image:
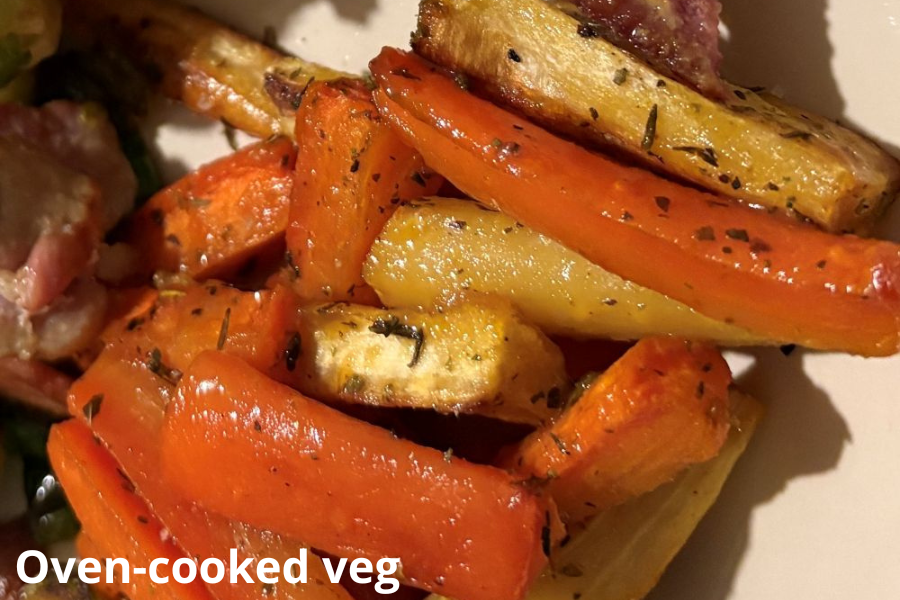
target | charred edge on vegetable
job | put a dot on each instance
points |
(293, 269)
(589, 30)
(286, 94)
(797, 135)
(394, 326)
(545, 535)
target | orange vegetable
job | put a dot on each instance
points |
(211, 222)
(86, 547)
(123, 402)
(240, 444)
(770, 275)
(660, 408)
(260, 327)
(106, 504)
(352, 171)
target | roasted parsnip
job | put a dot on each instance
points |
(472, 358)
(212, 69)
(557, 70)
(432, 249)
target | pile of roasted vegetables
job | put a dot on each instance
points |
(464, 311)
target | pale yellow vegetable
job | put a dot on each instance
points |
(433, 249)
(755, 147)
(470, 358)
(623, 552)
(211, 68)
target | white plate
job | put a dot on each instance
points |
(813, 509)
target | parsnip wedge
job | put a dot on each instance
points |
(471, 358)
(212, 69)
(436, 248)
(556, 69)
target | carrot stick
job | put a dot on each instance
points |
(124, 402)
(211, 222)
(352, 171)
(660, 408)
(772, 276)
(106, 504)
(86, 547)
(260, 327)
(240, 444)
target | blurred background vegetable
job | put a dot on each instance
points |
(29, 33)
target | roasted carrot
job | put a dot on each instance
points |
(86, 547)
(240, 444)
(106, 504)
(773, 276)
(660, 408)
(260, 327)
(352, 171)
(122, 398)
(127, 307)
(211, 222)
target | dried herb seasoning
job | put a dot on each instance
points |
(223, 329)
(708, 155)
(650, 129)
(394, 326)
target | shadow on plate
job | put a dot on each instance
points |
(785, 46)
(802, 434)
